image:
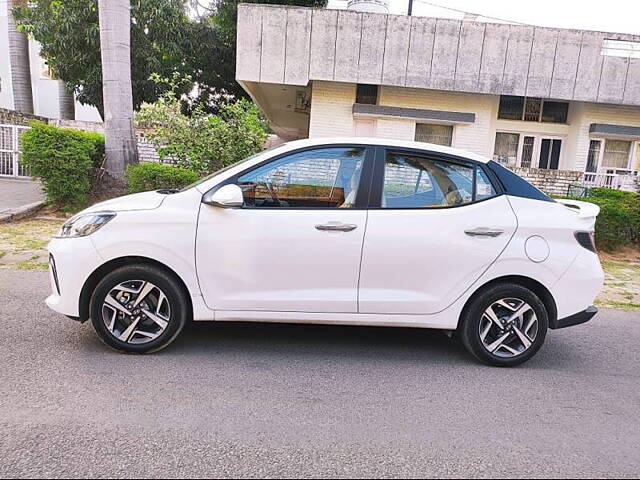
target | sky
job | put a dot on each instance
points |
(621, 16)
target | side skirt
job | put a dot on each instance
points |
(438, 321)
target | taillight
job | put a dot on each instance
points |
(586, 240)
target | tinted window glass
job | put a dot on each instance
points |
(367, 94)
(321, 178)
(555, 112)
(417, 182)
(511, 107)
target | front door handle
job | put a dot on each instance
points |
(336, 227)
(484, 232)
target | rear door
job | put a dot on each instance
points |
(436, 223)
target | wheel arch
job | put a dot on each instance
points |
(92, 281)
(535, 286)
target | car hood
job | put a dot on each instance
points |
(137, 201)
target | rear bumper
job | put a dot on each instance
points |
(575, 319)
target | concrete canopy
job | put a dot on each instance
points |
(294, 45)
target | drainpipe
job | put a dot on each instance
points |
(410, 7)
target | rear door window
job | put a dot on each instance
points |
(413, 181)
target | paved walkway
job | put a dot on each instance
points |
(18, 193)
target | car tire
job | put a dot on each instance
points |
(161, 313)
(493, 339)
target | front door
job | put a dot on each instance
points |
(433, 234)
(550, 153)
(295, 245)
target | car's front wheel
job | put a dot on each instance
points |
(504, 325)
(138, 309)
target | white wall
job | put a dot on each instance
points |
(475, 137)
(332, 103)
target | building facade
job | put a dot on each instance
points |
(43, 85)
(531, 97)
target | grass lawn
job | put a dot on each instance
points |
(622, 280)
(23, 246)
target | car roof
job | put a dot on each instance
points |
(390, 142)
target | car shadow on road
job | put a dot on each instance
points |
(290, 342)
(294, 340)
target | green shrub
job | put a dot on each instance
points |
(142, 177)
(618, 223)
(203, 142)
(63, 159)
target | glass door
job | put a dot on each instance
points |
(550, 153)
(527, 152)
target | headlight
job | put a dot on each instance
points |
(84, 224)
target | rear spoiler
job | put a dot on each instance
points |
(585, 210)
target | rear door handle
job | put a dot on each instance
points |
(484, 232)
(336, 227)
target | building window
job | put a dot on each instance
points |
(532, 109)
(616, 153)
(511, 108)
(593, 156)
(438, 134)
(555, 112)
(621, 48)
(506, 148)
(367, 94)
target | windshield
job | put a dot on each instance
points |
(222, 170)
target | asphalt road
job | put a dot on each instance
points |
(229, 400)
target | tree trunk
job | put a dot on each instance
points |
(19, 60)
(66, 101)
(115, 45)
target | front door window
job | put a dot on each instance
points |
(321, 178)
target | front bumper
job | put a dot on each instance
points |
(575, 319)
(72, 261)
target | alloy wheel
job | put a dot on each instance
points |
(508, 327)
(136, 312)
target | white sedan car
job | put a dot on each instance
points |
(349, 231)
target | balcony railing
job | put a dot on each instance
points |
(620, 181)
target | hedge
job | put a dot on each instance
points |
(147, 176)
(618, 224)
(63, 159)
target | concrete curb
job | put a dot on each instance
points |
(20, 212)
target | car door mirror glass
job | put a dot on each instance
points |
(228, 196)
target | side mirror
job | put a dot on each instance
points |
(229, 196)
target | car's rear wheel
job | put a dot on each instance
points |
(504, 325)
(138, 309)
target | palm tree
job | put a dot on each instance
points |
(19, 60)
(115, 44)
(66, 102)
